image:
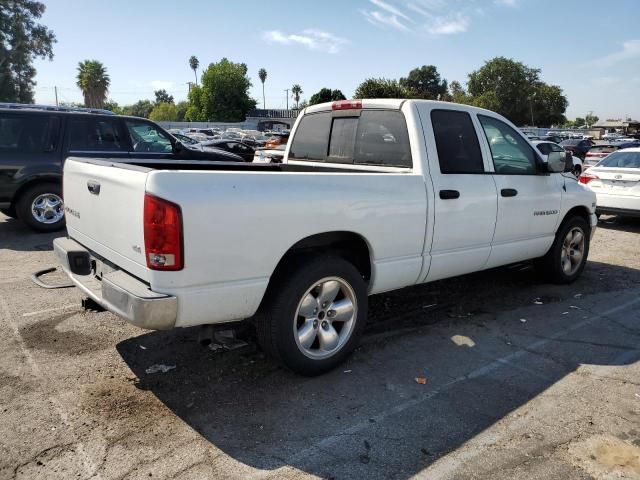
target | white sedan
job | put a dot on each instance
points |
(545, 148)
(616, 183)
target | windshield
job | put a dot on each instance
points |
(622, 159)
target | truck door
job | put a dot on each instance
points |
(528, 200)
(465, 197)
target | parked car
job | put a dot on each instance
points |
(632, 144)
(611, 136)
(552, 138)
(35, 140)
(623, 140)
(184, 139)
(343, 217)
(616, 182)
(277, 139)
(597, 153)
(269, 155)
(242, 149)
(578, 148)
(573, 164)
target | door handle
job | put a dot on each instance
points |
(449, 194)
(508, 192)
(93, 187)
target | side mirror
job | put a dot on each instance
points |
(556, 162)
(178, 147)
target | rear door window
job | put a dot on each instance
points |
(28, 133)
(312, 137)
(95, 134)
(457, 142)
(342, 141)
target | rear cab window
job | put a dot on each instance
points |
(370, 137)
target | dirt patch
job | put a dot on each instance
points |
(45, 335)
(607, 457)
(59, 462)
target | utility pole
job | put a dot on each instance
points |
(55, 89)
(287, 92)
(190, 84)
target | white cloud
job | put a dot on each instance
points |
(390, 8)
(630, 50)
(311, 38)
(161, 85)
(380, 19)
(506, 3)
(449, 26)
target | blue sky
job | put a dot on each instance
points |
(589, 49)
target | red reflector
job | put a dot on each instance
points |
(346, 105)
(587, 177)
(162, 234)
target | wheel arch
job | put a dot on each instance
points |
(577, 211)
(348, 245)
(33, 181)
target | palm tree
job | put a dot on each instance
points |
(296, 91)
(262, 73)
(94, 82)
(194, 64)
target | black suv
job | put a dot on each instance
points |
(35, 140)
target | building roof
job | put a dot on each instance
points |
(614, 123)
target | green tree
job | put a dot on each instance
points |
(22, 40)
(579, 122)
(262, 73)
(296, 91)
(457, 94)
(591, 119)
(515, 91)
(326, 95)
(164, 112)
(194, 63)
(113, 106)
(181, 110)
(142, 108)
(425, 82)
(223, 95)
(162, 96)
(380, 88)
(94, 82)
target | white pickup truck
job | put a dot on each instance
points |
(372, 196)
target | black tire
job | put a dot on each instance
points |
(551, 265)
(275, 322)
(26, 200)
(9, 212)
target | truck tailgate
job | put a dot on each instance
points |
(104, 206)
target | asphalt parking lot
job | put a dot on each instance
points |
(523, 380)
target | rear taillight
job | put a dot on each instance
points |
(346, 105)
(587, 177)
(162, 234)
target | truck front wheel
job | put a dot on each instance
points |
(567, 257)
(314, 315)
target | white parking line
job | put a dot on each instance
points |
(445, 465)
(47, 310)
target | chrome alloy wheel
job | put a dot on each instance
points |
(325, 318)
(47, 208)
(572, 251)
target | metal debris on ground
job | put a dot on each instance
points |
(537, 301)
(523, 320)
(159, 367)
(421, 380)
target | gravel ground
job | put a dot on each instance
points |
(523, 380)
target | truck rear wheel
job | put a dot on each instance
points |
(314, 315)
(41, 208)
(567, 257)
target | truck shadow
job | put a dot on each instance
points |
(16, 236)
(369, 418)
